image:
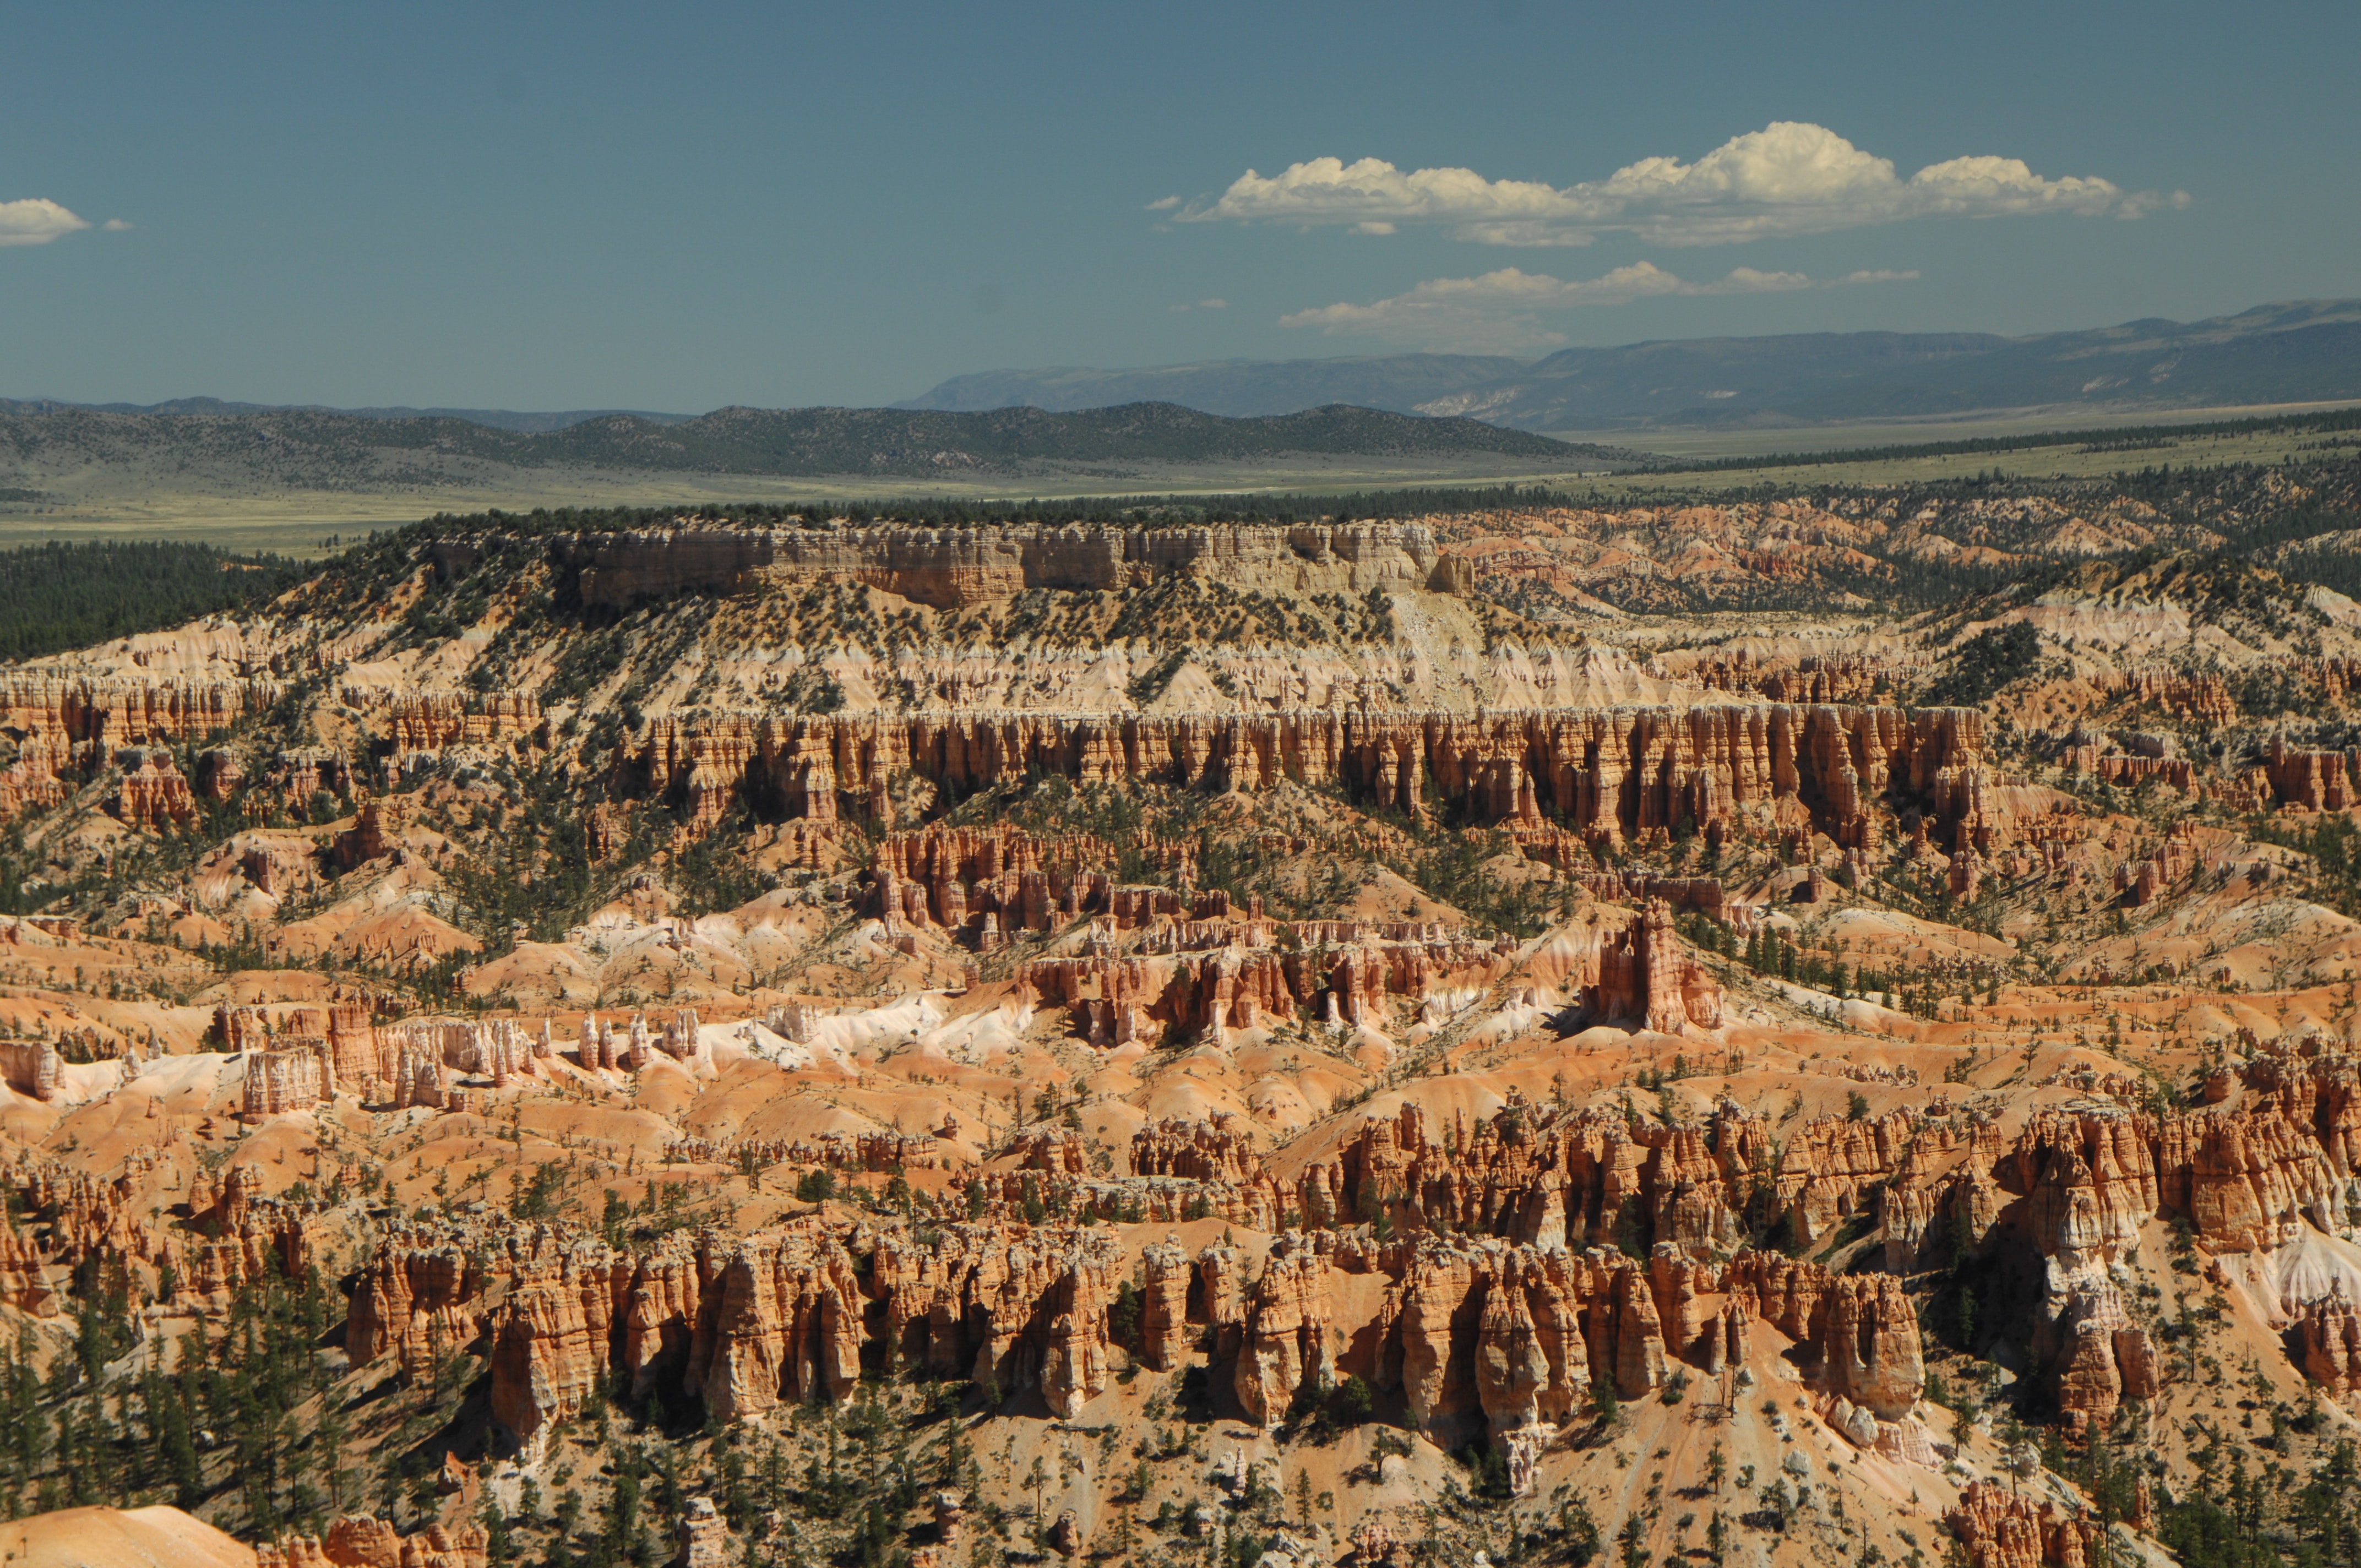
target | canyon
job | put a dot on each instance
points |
(1363, 1040)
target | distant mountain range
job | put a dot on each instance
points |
(2309, 351)
(1241, 387)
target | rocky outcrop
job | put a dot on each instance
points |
(954, 876)
(237, 1240)
(1017, 1308)
(2328, 1341)
(376, 826)
(703, 1536)
(1832, 1167)
(1550, 1178)
(1220, 1149)
(31, 783)
(2248, 1180)
(876, 1150)
(553, 1340)
(420, 1296)
(1116, 1000)
(1644, 977)
(154, 794)
(1286, 1346)
(1871, 1352)
(96, 716)
(238, 1029)
(31, 1067)
(1166, 1270)
(360, 1540)
(354, 1057)
(2089, 1181)
(429, 721)
(743, 1323)
(2313, 781)
(1998, 1528)
(24, 1282)
(1808, 677)
(785, 1318)
(2098, 1357)
(2168, 864)
(418, 1079)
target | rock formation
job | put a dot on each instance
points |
(1872, 1354)
(154, 794)
(2328, 1336)
(31, 1067)
(297, 1077)
(2001, 1529)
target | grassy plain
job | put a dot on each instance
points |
(130, 505)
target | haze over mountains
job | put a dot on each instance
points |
(2301, 352)
(2307, 351)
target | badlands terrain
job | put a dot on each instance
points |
(1775, 1029)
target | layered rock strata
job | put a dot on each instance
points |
(1612, 774)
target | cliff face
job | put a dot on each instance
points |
(1613, 774)
(296, 1077)
(951, 568)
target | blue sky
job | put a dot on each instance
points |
(682, 207)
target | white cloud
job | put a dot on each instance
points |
(118, 225)
(1497, 310)
(2141, 203)
(1162, 204)
(35, 222)
(1790, 178)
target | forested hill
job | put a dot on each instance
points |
(316, 449)
(58, 596)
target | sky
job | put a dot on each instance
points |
(678, 208)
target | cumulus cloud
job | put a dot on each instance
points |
(35, 222)
(1162, 204)
(1790, 178)
(1498, 310)
(116, 225)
